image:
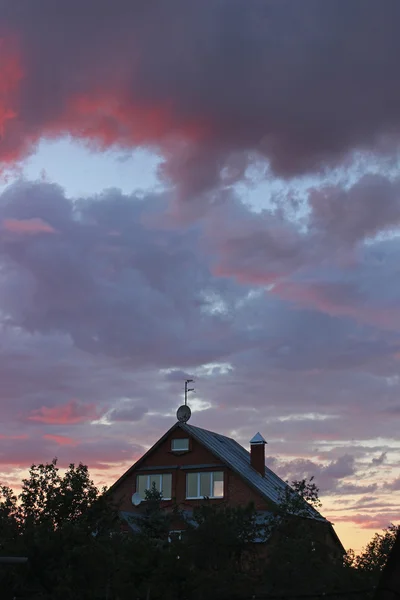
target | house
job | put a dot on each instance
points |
(188, 464)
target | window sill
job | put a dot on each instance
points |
(162, 500)
(204, 498)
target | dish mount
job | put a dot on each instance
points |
(184, 413)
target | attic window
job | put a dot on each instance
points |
(180, 445)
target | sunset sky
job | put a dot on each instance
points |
(206, 189)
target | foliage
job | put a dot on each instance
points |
(72, 536)
(155, 522)
(297, 498)
(373, 557)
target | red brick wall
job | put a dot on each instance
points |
(236, 491)
(239, 492)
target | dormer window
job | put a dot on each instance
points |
(180, 445)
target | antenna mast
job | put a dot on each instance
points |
(187, 390)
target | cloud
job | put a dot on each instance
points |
(356, 489)
(239, 81)
(112, 294)
(127, 413)
(11, 75)
(394, 485)
(379, 460)
(366, 521)
(326, 476)
(69, 414)
(368, 207)
(27, 226)
(122, 304)
(111, 453)
(62, 440)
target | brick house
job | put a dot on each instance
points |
(189, 463)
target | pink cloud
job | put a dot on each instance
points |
(26, 226)
(338, 299)
(10, 76)
(68, 414)
(61, 440)
(366, 521)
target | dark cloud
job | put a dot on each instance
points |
(393, 486)
(379, 460)
(113, 284)
(301, 84)
(370, 206)
(352, 489)
(127, 413)
(327, 477)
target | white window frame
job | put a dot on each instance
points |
(179, 449)
(161, 475)
(198, 497)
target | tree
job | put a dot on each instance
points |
(299, 560)
(374, 556)
(156, 558)
(298, 498)
(223, 533)
(155, 522)
(62, 523)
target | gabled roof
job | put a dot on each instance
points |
(234, 456)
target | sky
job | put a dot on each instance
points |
(205, 189)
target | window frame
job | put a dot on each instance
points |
(180, 449)
(199, 473)
(149, 476)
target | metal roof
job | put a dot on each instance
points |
(237, 458)
(257, 439)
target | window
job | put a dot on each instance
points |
(175, 534)
(179, 445)
(206, 484)
(163, 484)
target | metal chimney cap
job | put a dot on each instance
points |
(258, 439)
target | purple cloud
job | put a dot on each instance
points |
(291, 83)
(104, 317)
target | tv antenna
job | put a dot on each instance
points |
(187, 389)
(184, 413)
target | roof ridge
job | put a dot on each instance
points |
(213, 433)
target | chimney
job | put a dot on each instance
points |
(257, 453)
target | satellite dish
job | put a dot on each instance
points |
(136, 499)
(183, 413)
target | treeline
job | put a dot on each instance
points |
(72, 536)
